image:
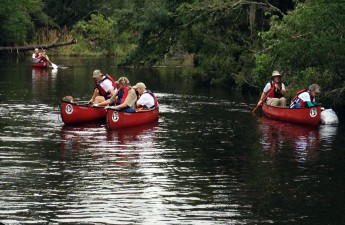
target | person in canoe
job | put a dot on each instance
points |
(105, 87)
(36, 56)
(274, 91)
(147, 100)
(125, 97)
(44, 56)
(306, 97)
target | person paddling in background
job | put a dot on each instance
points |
(306, 97)
(274, 91)
(44, 56)
(36, 56)
(147, 100)
(105, 87)
(125, 97)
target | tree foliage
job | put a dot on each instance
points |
(17, 18)
(98, 31)
(308, 44)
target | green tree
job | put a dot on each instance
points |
(17, 18)
(309, 45)
(98, 33)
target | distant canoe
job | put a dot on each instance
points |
(308, 116)
(42, 64)
(73, 113)
(118, 120)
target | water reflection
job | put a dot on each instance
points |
(76, 138)
(305, 140)
(277, 134)
(43, 83)
(328, 133)
(39, 73)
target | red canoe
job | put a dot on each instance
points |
(308, 116)
(72, 113)
(117, 120)
(42, 64)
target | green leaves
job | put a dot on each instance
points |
(98, 32)
(16, 20)
(309, 43)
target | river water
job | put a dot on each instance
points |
(207, 160)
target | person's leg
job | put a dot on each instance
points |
(127, 109)
(273, 102)
(282, 102)
(99, 99)
(296, 105)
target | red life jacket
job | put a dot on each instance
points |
(103, 92)
(296, 99)
(43, 59)
(37, 55)
(273, 92)
(121, 95)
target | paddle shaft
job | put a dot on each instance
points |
(263, 100)
(53, 65)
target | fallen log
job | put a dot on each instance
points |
(32, 47)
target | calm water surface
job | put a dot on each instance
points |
(207, 160)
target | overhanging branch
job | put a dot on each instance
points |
(32, 47)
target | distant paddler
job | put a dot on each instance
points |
(273, 92)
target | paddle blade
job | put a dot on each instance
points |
(54, 66)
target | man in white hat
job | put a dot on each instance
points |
(146, 98)
(274, 91)
(105, 87)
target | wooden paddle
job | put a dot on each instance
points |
(53, 65)
(263, 100)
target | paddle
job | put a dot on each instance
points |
(53, 65)
(263, 100)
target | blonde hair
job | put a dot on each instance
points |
(68, 99)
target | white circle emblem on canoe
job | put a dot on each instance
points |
(313, 112)
(69, 109)
(115, 117)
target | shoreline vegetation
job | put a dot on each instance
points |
(218, 43)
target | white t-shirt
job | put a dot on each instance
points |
(268, 87)
(146, 100)
(304, 96)
(106, 85)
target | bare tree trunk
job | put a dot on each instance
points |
(32, 47)
(252, 18)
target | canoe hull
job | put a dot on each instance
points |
(72, 113)
(307, 116)
(118, 120)
(43, 64)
